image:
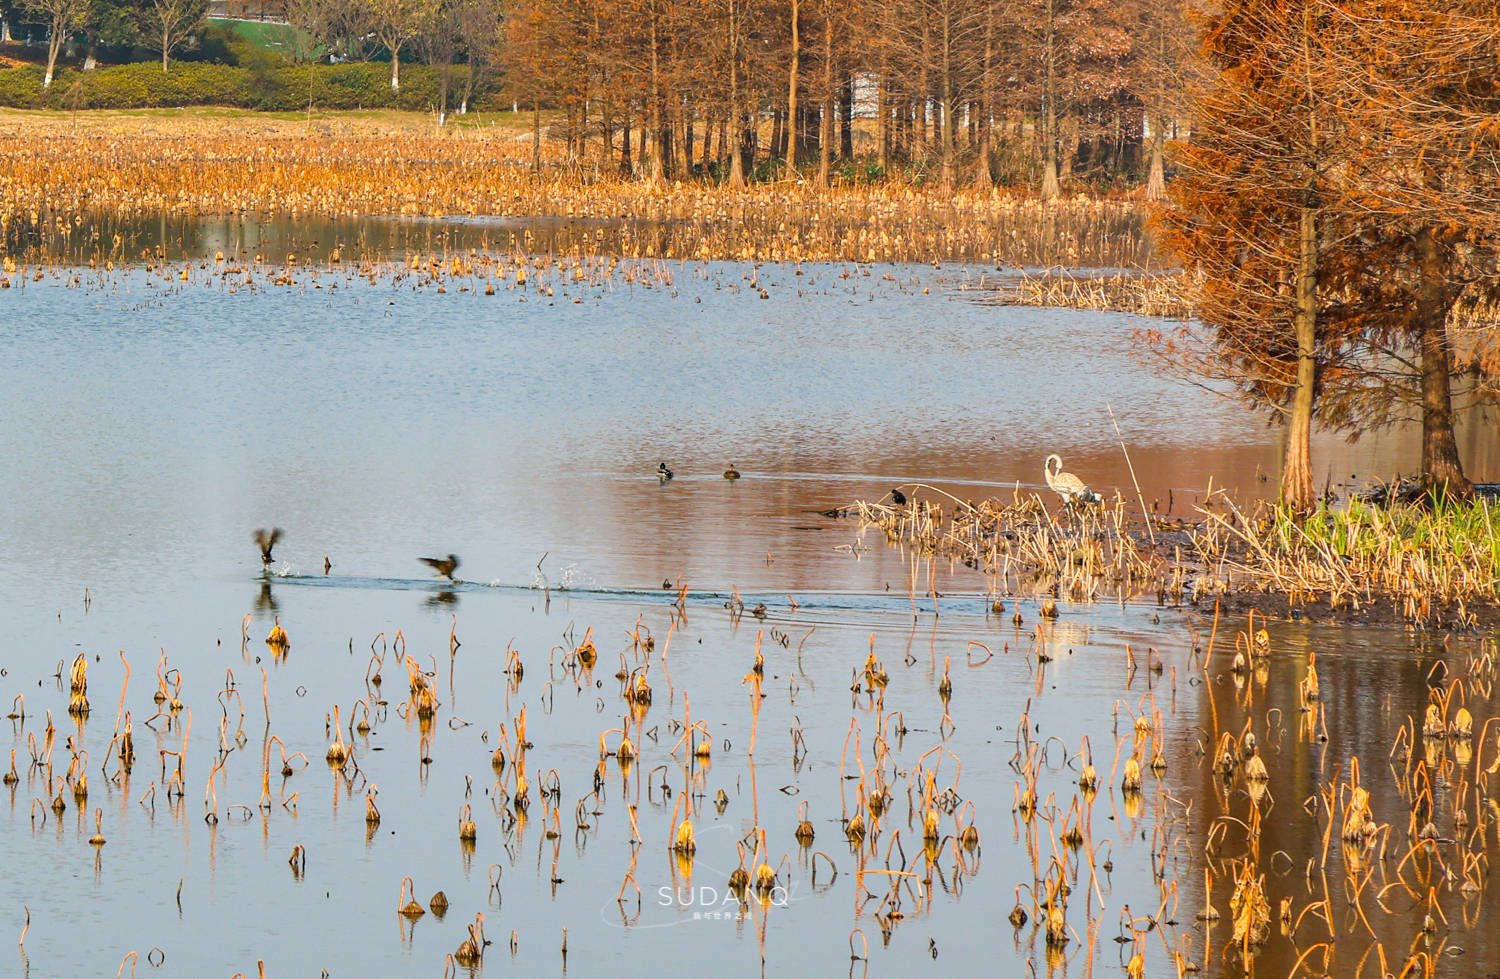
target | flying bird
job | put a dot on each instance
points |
(663, 473)
(265, 540)
(1065, 484)
(444, 566)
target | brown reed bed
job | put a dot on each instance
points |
(1402, 562)
(57, 178)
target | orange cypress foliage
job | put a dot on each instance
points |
(1421, 196)
(1253, 211)
(1337, 207)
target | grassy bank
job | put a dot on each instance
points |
(268, 36)
(1413, 562)
(1422, 559)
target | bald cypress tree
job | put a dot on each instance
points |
(1252, 213)
(1338, 202)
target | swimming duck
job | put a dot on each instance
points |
(731, 472)
(663, 473)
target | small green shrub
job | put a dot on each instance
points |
(22, 87)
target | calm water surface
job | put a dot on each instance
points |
(151, 422)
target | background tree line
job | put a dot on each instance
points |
(1037, 92)
(954, 91)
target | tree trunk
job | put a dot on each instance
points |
(947, 136)
(791, 92)
(884, 102)
(846, 119)
(581, 134)
(606, 131)
(166, 46)
(825, 122)
(652, 157)
(536, 138)
(666, 150)
(737, 146)
(1442, 469)
(825, 141)
(396, 67)
(1068, 141)
(54, 45)
(987, 104)
(1051, 190)
(1156, 180)
(949, 151)
(1296, 474)
(737, 155)
(627, 167)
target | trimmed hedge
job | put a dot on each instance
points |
(277, 88)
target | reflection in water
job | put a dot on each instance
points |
(1107, 237)
(1373, 684)
(440, 600)
(265, 601)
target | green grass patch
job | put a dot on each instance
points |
(279, 38)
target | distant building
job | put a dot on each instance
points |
(267, 10)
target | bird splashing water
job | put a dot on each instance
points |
(266, 540)
(444, 566)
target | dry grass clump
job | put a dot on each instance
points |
(1164, 294)
(1083, 553)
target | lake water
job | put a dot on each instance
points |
(151, 421)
